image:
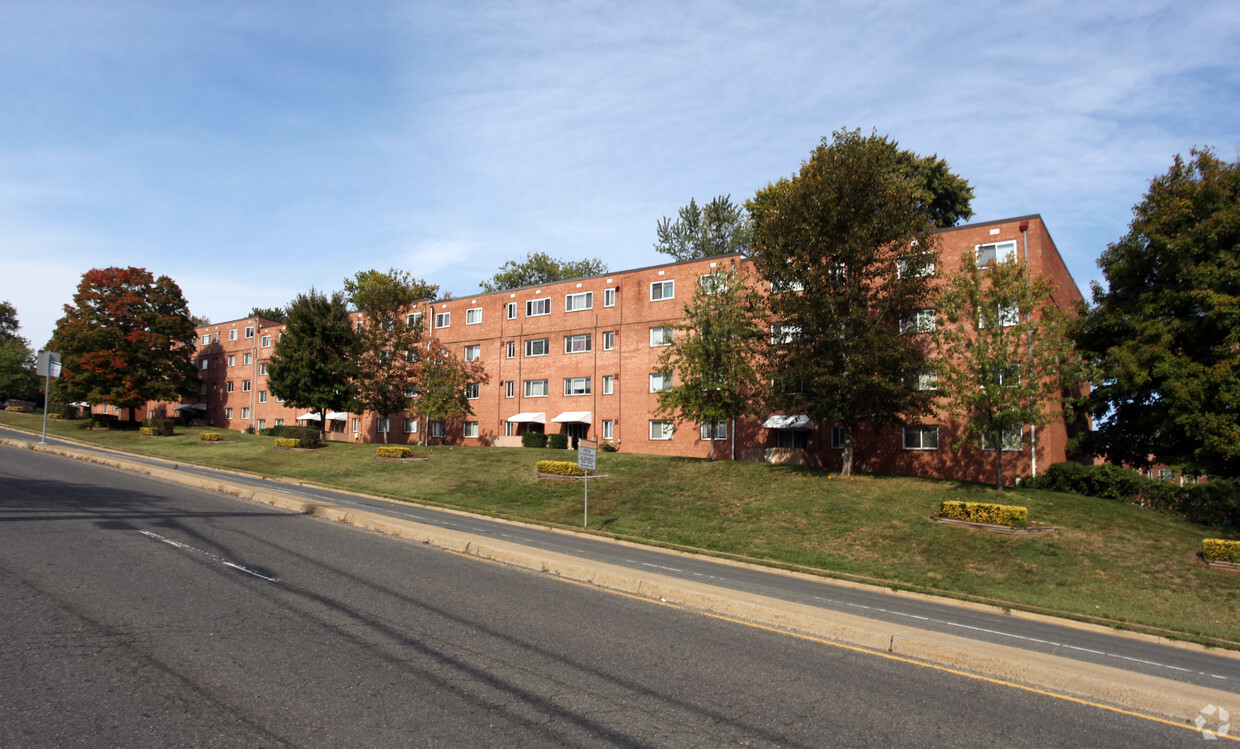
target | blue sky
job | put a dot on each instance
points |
(252, 150)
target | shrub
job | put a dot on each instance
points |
(209, 436)
(1221, 550)
(103, 421)
(608, 447)
(162, 427)
(249, 429)
(981, 512)
(62, 411)
(288, 442)
(557, 441)
(394, 451)
(149, 432)
(560, 468)
(1214, 503)
(307, 436)
(534, 439)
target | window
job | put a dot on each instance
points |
(838, 436)
(784, 333)
(473, 316)
(661, 336)
(249, 331)
(471, 429)
(535, 388)
(609, 340)
(356, 425)
(262, 424)
(536, 307)
(438, 429)
(202, 388)
(247, 359)
(915, 265)
(279, 422)
(510, 389)
(996, 251)
(660, 429)
(715, 430)
(227, 413)
(609, 297)
(1012, 438)
(662, 290)
(411, 426)
(660, 381)
(205, 363)
(473, 353)
(926, 380)
(1000, 375)
(381, 426)
(206, 339)
(245, 412)
(358, 326)
(413, 319)
(922, 321)
(577, 302)
(576, 385)
(228, 387)
(538, 347)
(245, 386)
(921, 438)
(609, 384)
(262, 368)
(1006, 315)
(262, 396)
(792, 439)
(609, 429)
(265, 341)
(510, 349)
(232, 360)
(471, 391)
(577, 344)
(511, 310)
(279, 399)
(443, 319)
(232, 334)
(712, 284)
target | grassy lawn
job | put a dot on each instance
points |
(1113, 563)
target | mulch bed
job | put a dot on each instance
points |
(1031, 529)
(411, 459)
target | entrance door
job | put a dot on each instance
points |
(576, 432)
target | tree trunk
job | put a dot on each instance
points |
(388, 424)
(846, 469)
(710, 455)
(323, 424)
(999, 462)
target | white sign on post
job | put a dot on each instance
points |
(586, 452)
(47, 365)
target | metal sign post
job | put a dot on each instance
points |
(48, 365)
(586, 452)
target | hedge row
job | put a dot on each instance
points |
(560, 468)
(288, 442)
(209, 436)
(306, 436)
(1216, 503)
(149, 432)
(162, 427)
(534, 439)
(1221, 550)
(981, 512)
(393, 451)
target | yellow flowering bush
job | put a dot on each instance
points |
(394, 451)
(148, 431)
(1221, 550)
(560, 468)
(209, 436)
(288, 442)
(982, 512)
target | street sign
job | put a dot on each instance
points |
(587, 450)
(48, 364)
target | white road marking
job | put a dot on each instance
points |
(208, 554)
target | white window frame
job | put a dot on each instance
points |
(439, 429)
(205, 340)
(510, 389)
(473, 316)
(665, 427)
(232, 334)
(245, 386)
(666, 290)
(995, 252)
(925, 434)
(265, 341)
(1013, 439)
(262, 424)
(410, 425)
(245, 412)
(838, 434)
(609, 384)
(609, 340)
(660, 381)
(356, 423)
(228, 386)
(903, 262)
(232, 360)
(262, 368)
(660, 335)
(247, 359)
(471, 430)
(532, 386)
(472, 391)
(278, 423)
(228, 413)
(922, 321)
(574, 386)
(582, 300)
(205, 363)
(510, 350)
(473, 352)
(609, 297)
(578, 343)
(262, 396)
(784, 332)
(609, 429)
(714, 430)
(443, 320)
(412, 319)
(546, 346)
(538, 307)
(926, 380)
(510, 310)
(249, 331)
(1007, 315)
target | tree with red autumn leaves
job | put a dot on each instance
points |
(126, 339)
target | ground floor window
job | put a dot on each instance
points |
(660, 429)
(411, 426)
(262, 424)
(838, 436)
(279, 422)
(381, 426)
(795, 439)
(921, 438)
(608, 428)
(438, 429)
(717, 430)
(471, 429)
(1012, 438)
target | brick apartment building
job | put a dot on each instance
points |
(580, 357)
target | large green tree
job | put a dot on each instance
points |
(126, 339)
(844, 244)
(540, 268)
(718, 228)
(442, 384)
(1004, 354)
(387, 364)
(314, 363)
(1164, 335)
(715, 353)
(17, 363)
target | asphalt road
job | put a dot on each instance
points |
(139, 613)
(1203, 668)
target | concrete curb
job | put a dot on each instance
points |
(1086, 682)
